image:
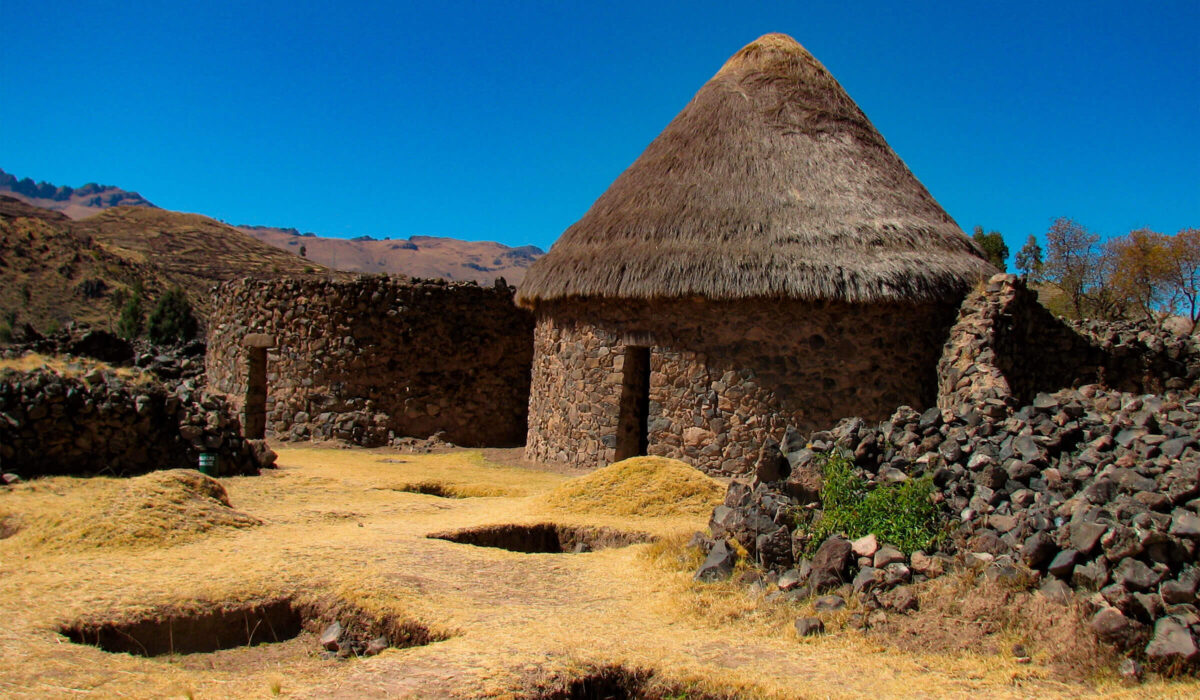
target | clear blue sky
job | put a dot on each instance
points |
(504, 121)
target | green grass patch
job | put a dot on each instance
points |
(902, 515)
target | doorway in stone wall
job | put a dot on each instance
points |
(255, 420)
(632, 428)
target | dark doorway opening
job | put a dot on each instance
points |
(632, 433)
(256, 394)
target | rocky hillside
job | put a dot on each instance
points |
(418, 256)
(191, 250)
(75, 203)
(57, 270)
(51, 274)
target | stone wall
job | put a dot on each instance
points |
(1005, 348)
(99, 423)
(724, 375)
(374, 359)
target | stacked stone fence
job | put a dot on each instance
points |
(376, 359)
(1006, 348)
(103, 424)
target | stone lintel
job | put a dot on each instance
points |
(259, 340)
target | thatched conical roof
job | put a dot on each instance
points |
(770, 183)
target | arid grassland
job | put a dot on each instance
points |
(341, 534)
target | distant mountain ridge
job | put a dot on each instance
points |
(54, 269)
(76, 203)
(418, 256)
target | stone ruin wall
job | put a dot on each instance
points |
(375, 359)
(724, 375)
(1006, 347)
(101, 423)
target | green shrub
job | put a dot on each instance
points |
(6, 328)
(133, 320)
(900, 514)
(172, 320)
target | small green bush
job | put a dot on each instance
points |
(133, 320)
(6, 328)
(172, 320)
(900, 514)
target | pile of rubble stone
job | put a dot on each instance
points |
(1085, 493)
(184, 361)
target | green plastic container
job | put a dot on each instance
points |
(208, 463)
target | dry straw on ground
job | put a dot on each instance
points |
(642, 486)
(75, 367)
(156, 510)
(336, 534)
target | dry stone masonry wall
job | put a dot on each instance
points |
(375, 359)
(724, 376)
(1005, 348)
(100, 423)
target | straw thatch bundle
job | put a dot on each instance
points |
(770, 183)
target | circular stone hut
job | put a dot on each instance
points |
(767, 261)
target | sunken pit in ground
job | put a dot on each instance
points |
(544, 538)
(344, 630)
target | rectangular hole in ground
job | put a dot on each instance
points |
(544, 538)
(612, 683)
(344, 629)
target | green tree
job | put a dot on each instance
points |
(1029, 260)
(133, 319)
(172, 320)
(993, 246)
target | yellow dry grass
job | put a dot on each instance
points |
(158, 509)
(335, 529)
(650, 487)
(70, 366)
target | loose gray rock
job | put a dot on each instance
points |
(1184, 523)
(1172, 644)
(868, 578)
(809, 626)
(1130, 672)
(1135, 575)
(831, 563)
(888, 555)
(865, 546)
(376, 646)
(331, 637)
(1112, 626)
(1092, 576)
(1085, 536)
(1056, 590)
(1039, 549)
(1063, 564)
(718, 565)
(829, 603)
(901, 599)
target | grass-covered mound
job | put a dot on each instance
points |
(161, 508)
(645, 486)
